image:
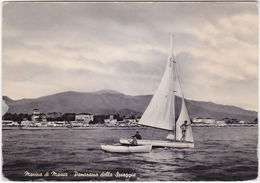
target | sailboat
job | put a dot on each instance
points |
(160, 113)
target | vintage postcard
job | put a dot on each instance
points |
(129, 91)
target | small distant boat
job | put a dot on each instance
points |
(127, 149)
(161, 114)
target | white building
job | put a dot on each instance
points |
(26, 123)
(111, 117)
(9, 123)
(40, 124)
(110, 120)
(242, 122)
(197, 120)
(51, 123)
(132, 120)
(38, 117)
(220, 123)
(60, 124)
(113, 121)
(84, 117)
(203, 120)
(77, 123)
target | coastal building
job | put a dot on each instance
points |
(77, 123)
(209, 120)
(51, 123)
(43, 118)
(122, 123)
(111, 120)
(220, 123)
(53, 115)
(9, 123)
(40, 124)
(38, 117)
(204, 120)
(131, 120)
(84, 117)
(111, 117)
(197, 120)
(60, 124)
(106, 120)
(26, 123)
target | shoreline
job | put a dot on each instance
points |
(112, 127)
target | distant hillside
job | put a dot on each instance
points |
(108, 101)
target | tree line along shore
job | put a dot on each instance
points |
(57, 119)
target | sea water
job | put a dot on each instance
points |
(224, 153)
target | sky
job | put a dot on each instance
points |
(56, 47)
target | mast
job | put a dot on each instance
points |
(172, 59)
(175, 120)
(172, 136)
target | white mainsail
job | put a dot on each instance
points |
(160, 112)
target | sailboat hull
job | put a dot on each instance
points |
(127, 149)
(160, 143)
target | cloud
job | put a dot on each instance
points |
(53, 47)
(231, 54)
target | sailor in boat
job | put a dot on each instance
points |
(183, 130)
(137, 135)
(134, 141)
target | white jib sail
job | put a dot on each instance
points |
(184, 116)
(160, 112)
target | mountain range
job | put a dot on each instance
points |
(113, 102)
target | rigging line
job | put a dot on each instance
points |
(154, 130)
(180, 80)
(174, 91)
(177, 77)
(142, 129)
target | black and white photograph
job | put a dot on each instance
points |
(129, 91)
